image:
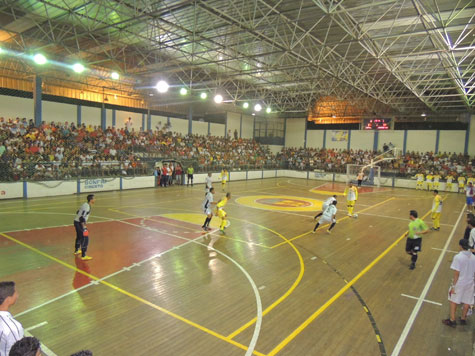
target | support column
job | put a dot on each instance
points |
(437, 138)
(305, 138)
(78, 115)
(349, 140)
(324, 138)
(376, 140)
(240, 127)
(226, 126)
(149, 120)
(143, 121)
(190, 120)
(103, 117)
(168, 121)
(37, 97)
(468, 149)
(285, 129)
(404, 144)
(209, 128)
(254, 128)
(113, 118)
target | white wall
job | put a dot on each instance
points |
(396, 137)
(90, 116)
(275, 148)
(362, 139)
(421, 140)
(295, 132)
(59, 112)
(471, 141)
(121, 118)
(452, 141)
(108, 118)
(156, 119)
(200, 128)
(179, 125)
(12, 107)
(247, 126)
(234, 122)
(335, 144)
(315, 138)
(217, 129)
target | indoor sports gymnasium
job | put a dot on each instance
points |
(246, 177)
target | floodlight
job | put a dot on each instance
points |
(257, 107)
(39, 58)
(218, 99)
(162, 86)
(115, 75)
(183, 91)
(245, 105)
(78, 67)
(203, 95)
(268, 110)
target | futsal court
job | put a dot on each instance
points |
(271, 287)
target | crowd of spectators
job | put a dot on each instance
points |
(65, 150)
(404, 165)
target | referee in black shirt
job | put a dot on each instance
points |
(82, 234)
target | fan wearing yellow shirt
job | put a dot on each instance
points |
(420, 181)
(224, 178)
(351, 193)
(448, 186)
(461, 181)
(436, 180)
(436, 210)
(222, 214)
(429, 181)
(470, 179)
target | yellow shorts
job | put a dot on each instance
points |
(221, 213)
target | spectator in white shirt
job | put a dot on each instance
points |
(10, 330)
(28, 346)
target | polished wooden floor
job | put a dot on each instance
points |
(153, 288)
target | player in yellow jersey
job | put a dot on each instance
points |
(470, 179)
(436, 210)
(461, 181)
(222, 214)
(351, 193)
(450, 179)
(420, 180)
(436, 178)
(224, 178)
(429, 181)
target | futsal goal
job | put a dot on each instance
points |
(372, 171)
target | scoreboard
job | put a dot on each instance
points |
(376, 124)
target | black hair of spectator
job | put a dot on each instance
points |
(7, 289)
(28, 346)
(83, 353)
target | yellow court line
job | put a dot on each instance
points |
(286, 294)
(343, 218)
(133, 296)
(184, 227)
(337, 295)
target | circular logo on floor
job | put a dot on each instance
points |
(280, 202)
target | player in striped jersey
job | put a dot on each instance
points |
(208, 183)
(82, 234)
(329, 216)
(325, 205)
(207, 209)
(10, 330)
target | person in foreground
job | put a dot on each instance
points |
(461, 290)
(417, 228)
(10, 330)
(28, 346)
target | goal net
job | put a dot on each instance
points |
(371, 175)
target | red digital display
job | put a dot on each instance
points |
(376, 124)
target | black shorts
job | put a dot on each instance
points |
(414, 245)
(190, 176)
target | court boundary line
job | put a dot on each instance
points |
(425, 300)
(248, 350)
(337, 295)
(397, 218)
(407, 328)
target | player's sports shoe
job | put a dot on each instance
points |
(86, 258)
(463, 322)
(313, 231)
(449, 322)
(349, 214)
(329, 232)
(78, 252)
(412, 266)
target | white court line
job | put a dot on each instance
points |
(417, 307)
(425, 300)
(44, 349)
(257, 329)
(135, 264)
(439, 249)
(395, 217)
(36, 326)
